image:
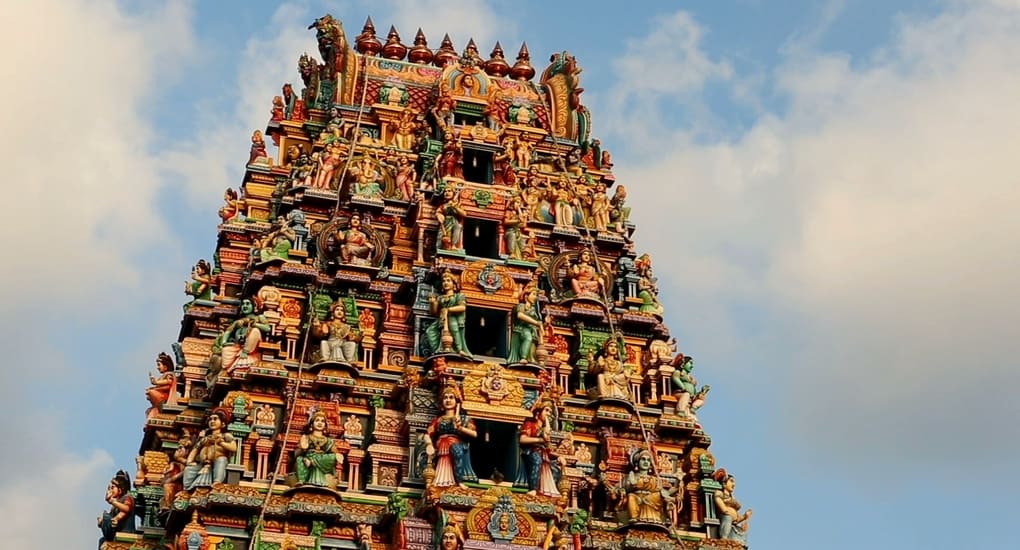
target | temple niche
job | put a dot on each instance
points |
(425, 324)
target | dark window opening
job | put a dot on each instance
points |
(481, 238)
(466, 119)
(495, 449)
(478, 166)
(487, 331)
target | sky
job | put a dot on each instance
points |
(828, 191)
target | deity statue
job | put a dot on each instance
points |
(532, 194)
(620, 212)
(563, 200)
(732, 524)
(451, 159)
(405, 176)
(164, 387)
(502, 162)
(689, 397)
(289, 97)
(522, 154)
(258, 148)
(302, 169)
(237, 342)
(207, 461)
(452, 538)
(526, 334)
(447, 441)
(446, 333)
(171, 482)
(279, 111)
(647, 495)
(233, 209)
(404, 129)
(201, 283)
(613, 375)
(120, 518)
(315, 459)
(276, 243)
(367, 179)
(600, 208)
(442, 111)
(584, 277)
(540, 465)
(450, 216)
(328, 164)
(340, 339)
(356, 245)
(336, 128)
(648, 289)
(513, 222)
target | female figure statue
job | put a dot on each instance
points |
(201, 282)
(563, 200)
(340, 340)
(526, 334)
(446, 333)
(732, 524)
(451, 160)
(584, 278)
(613, 376)
(648, 289)
(450, 216)
(120, 518)
(406, 177)
(646, 495)
(541, 467)
(315, 460)
(164, 387)
(513, 221)
(328, 165)
(207, 461)
(356, 247)
(600, 208)
(232, 209)
(447, 441)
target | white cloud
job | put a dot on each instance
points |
(873, 225)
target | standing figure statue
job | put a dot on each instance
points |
(404, 129)
(526, 334)
(647, 495)
(732, 524)
(540, 465)
(340, 339)
(406, 177)
(451, 160)
(315, 459)
(446, 333)
(172, 478)
(600, 208)
(564, 201)
(233, 207)
(648, 288)
(450, 216)
(120, 518)
(207, 461)
(447, 441)
(513, 223)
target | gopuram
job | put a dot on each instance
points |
(424, 326)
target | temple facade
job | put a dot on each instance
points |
(425, 326)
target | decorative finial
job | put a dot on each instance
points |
(497, 65)
(522, 69)
(445, 54)
(367, 42)
(420, 53)
(393, 48)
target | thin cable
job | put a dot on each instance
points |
(290, 420)
(353, 139)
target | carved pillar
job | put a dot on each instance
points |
(354, 460)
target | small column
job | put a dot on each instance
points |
(354, 459)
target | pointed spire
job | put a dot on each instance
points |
(367, 42)
(497, 65)
(420, 53)
(445, 54)
(393, 48)
(522, 69)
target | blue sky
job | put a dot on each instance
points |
(828, 191)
